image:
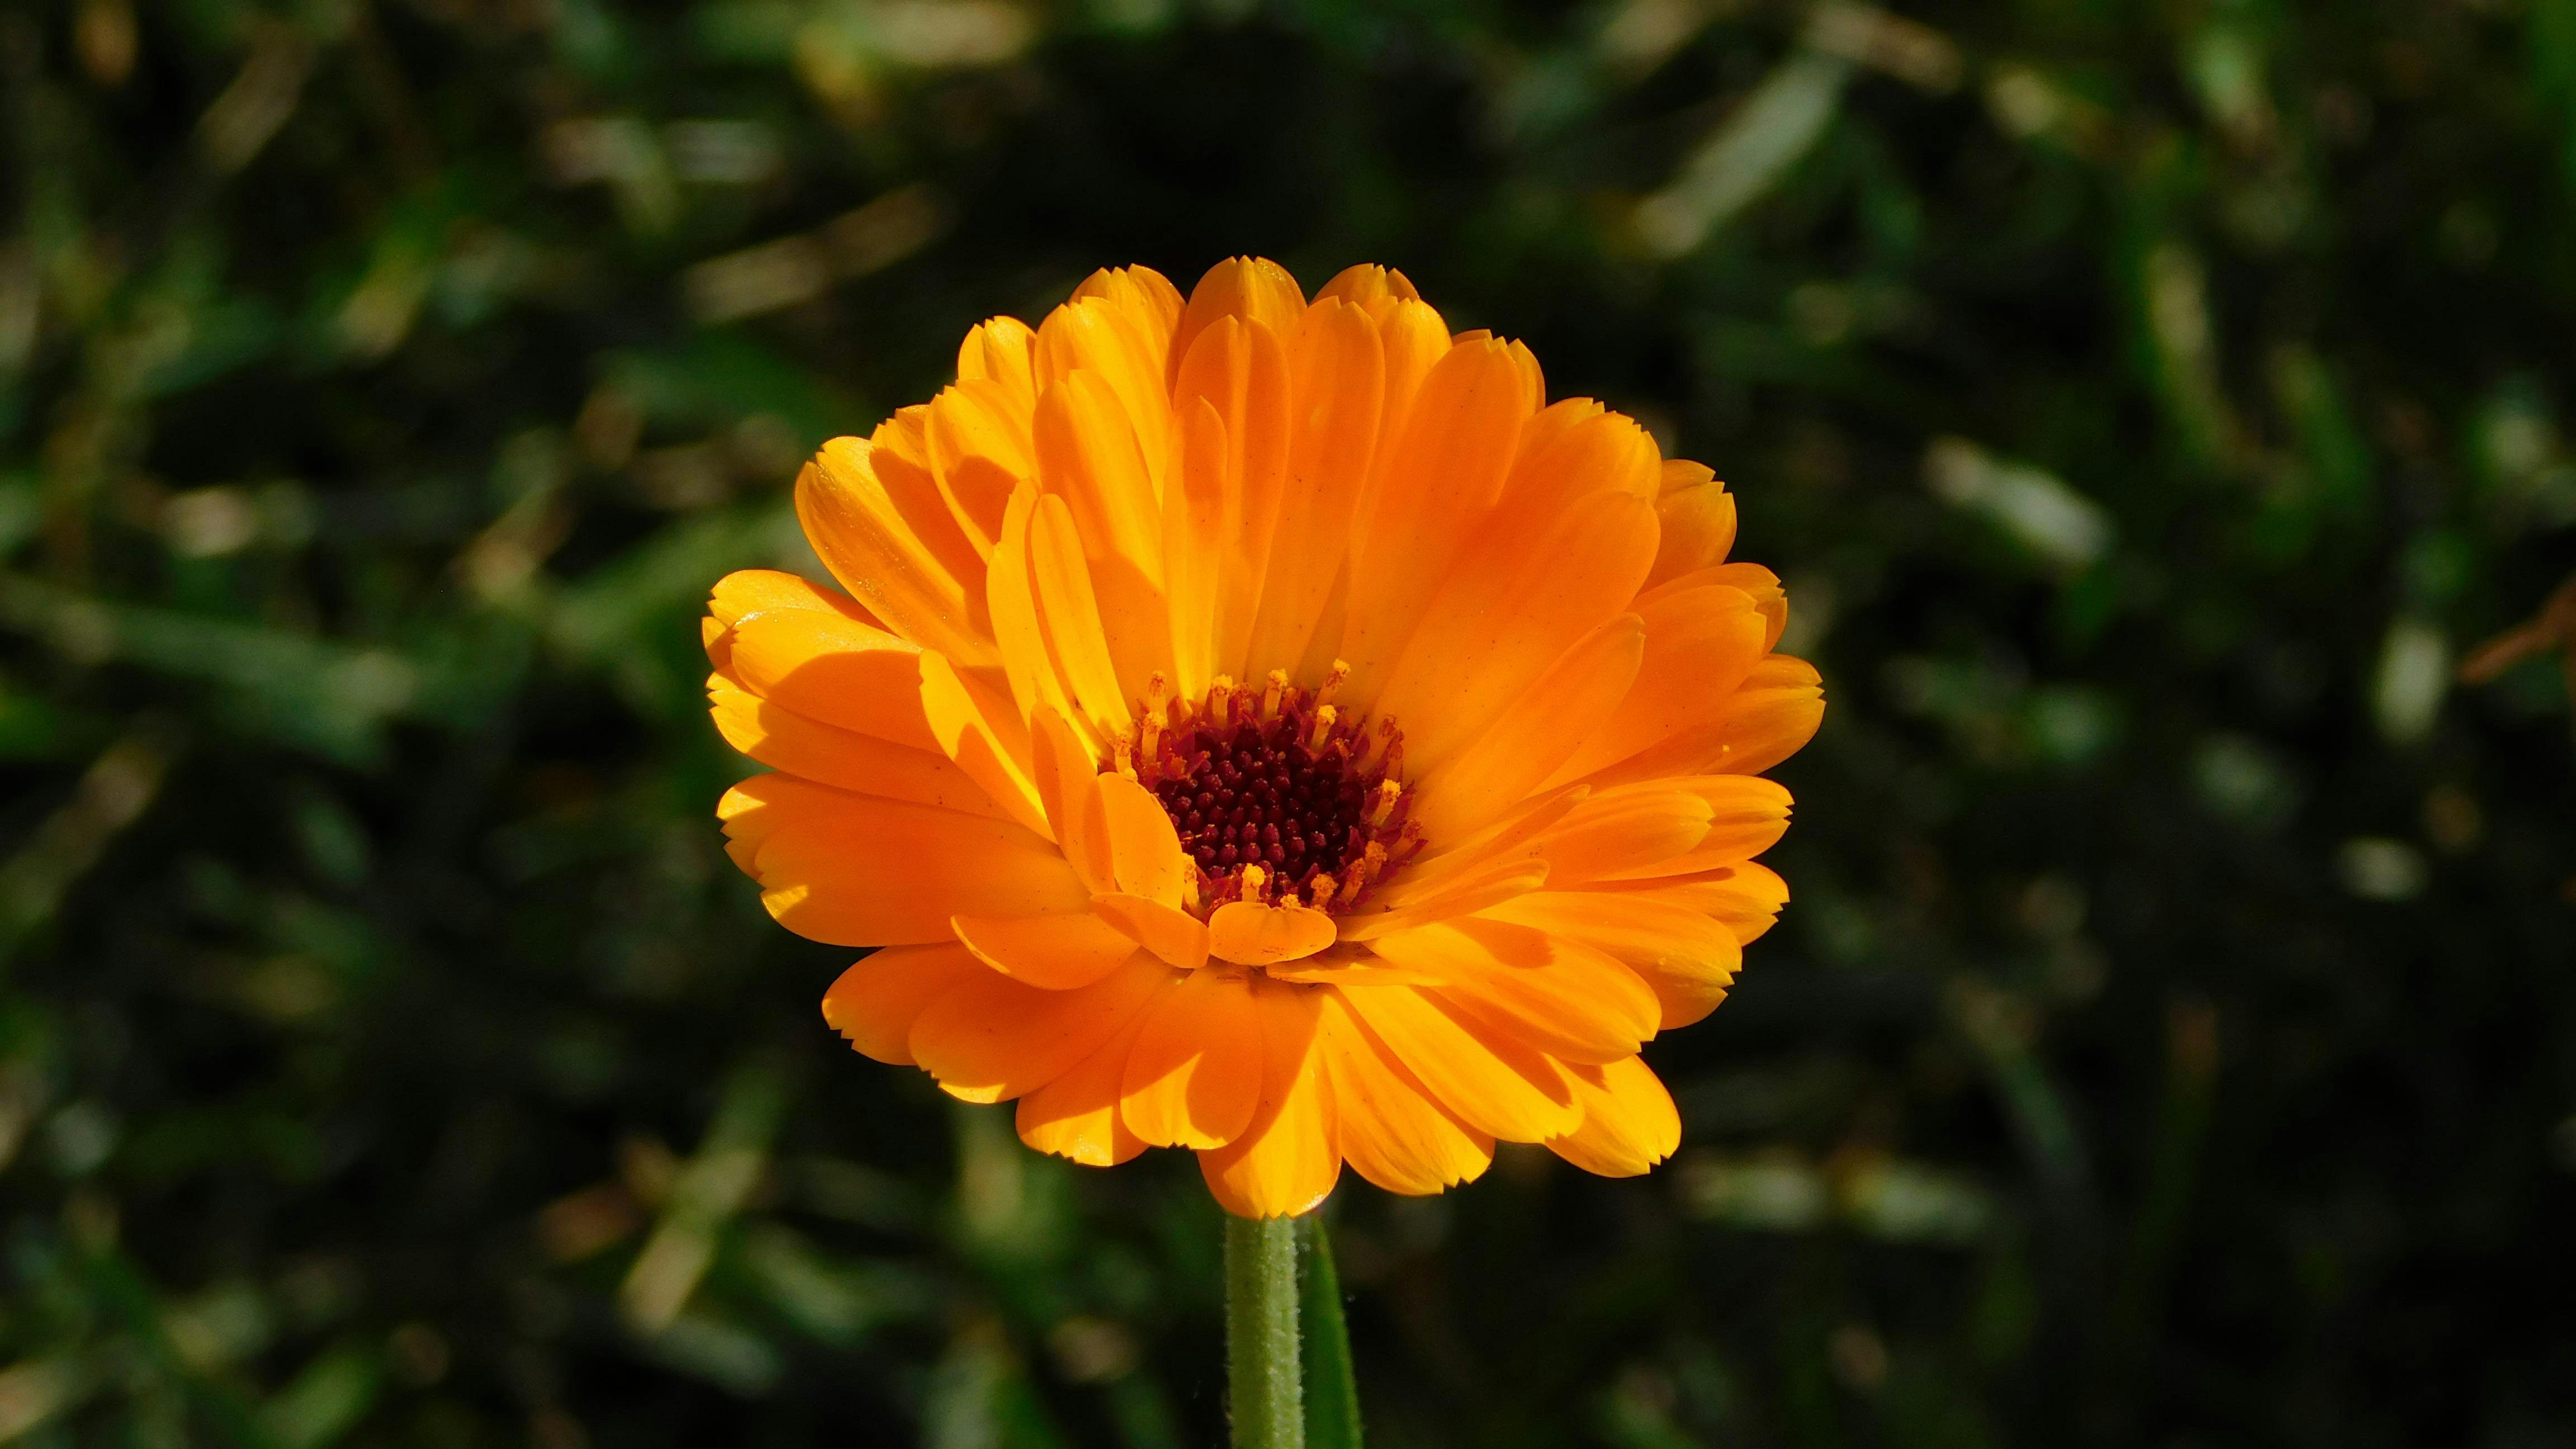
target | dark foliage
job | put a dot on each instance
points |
(2173, 1039)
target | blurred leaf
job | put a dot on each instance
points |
(709, 1189)
(1768, 132)
(980, 1400)
(324, 1401)
(1332, 1383)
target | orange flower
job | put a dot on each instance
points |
(1268, 728)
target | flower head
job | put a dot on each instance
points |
(1269, 728)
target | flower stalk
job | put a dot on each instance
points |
(1264, 1390)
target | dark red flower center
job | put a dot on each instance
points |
(1281, 780)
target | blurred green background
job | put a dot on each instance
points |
(2172, 1040)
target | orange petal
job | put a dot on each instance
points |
(905, 461)
(1498, 1086)
(856, 870)
(1568, 1001)
(1056, 953)
(1193, 546)
(1540, 437)
(1513, 837)
(1628, 828)
(999, 349)
(1414, 339)
(1411, 339)
(1757, 583)
(1238, 367)
(1764, 722)
(828, 667)
(976, 439)
(1747, 816)
(1011, 602)
(1088, 454)
(1773, 717)
(1069, 612)
(755, 591)
(1762, 586)
(980, 451)
(1465, 892)
(1148, 298)
(1523, 593)
(1368, 283)
(1701, 645)
(1194, 1077)
(1629, 1121)
(1064, 774)
(1745, 898)
(1144, 849)
(1533, 382)
(1393, 1132)
(1250, 933)
(1125, 348)
(990, 1038)
(984, 737)
(1575, 448)
(1171, 933)
(875, 1002)
(1337, 388)
(1529, 739)
(1443, 472)
(1698, 516)
(1076, 1115)
(876, 551)
(1689, 958)
(1324, 641)
(1347, 970)
(1498, 849)
(1289, 1158)
(1019, 632)
(785, 740)
(1251, 289)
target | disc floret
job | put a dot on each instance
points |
(1279, 795)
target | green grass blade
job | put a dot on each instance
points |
(1332, 1389)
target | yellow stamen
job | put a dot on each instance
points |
(1276, 686)
(1369, 863)
(1322, 731)
(1389, 792)
(1324, 886)
(1221, 702)
(1254, 878)
(1122, 748)
(1332, 681)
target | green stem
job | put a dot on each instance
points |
(1261, 1333)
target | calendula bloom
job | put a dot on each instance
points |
(1268, 728)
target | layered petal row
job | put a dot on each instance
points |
(1271, 728)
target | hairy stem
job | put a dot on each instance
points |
(1261, 1333)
